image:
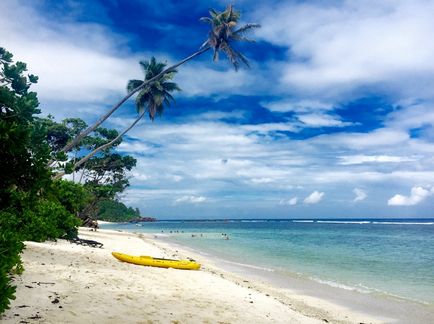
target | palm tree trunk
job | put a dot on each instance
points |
(102, 147)
(90, 129)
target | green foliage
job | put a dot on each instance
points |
(32, 206)
(115, 211)
(103, 176)
(10, 262)
(223, 35)
(73, 196)
(19, 164)
(153, 96)
(47, 221)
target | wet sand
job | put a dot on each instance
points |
(69, 283)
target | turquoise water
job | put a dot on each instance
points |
(394, 257)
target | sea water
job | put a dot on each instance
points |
(383, 256)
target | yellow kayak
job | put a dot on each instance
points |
(156, 262)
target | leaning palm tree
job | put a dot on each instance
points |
(223, 34)
(221, 37)
(151, 99)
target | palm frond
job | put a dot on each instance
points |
(158, 86)
(132, 84)
(166, 102)
(171, 86)
(169, 96)
(159, 109)
(223, 34)
(246, 28)
(144, 65)
(167, 76)
(156, 94)
(235, 57)
(242, 38)
(242, 58)
(206, 20)
(141, 102)
(159, 98)
(213, 13)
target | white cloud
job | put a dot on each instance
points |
(290, 202)
(271, 127)
(360, 159)
(262, 180)
(383, 137)
(230, 163)
(412, 115)
(314, 198)
(216, 115)
(140, 176)
(360, 194)
(77, 62)
(417, 195)
(300, 106)
(336, 175)
(135, 147)
(321, 120)
(190, 199)
(86, 66)
(339, 47)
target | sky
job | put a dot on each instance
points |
(334, 118)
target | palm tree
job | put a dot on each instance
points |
(223, 34)
(220, 38)
(153, 95)
(151, 99)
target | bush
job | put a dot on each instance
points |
(115, 211)
(73, 196)
(30, 206)
(10, 261)
(49, 221)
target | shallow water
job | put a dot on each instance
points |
(383, 256)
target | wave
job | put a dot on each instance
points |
(374, 222)
(302, 221)
(344, 222)
(254, 220)
(404, 223)
(335, 284)
(245, 265)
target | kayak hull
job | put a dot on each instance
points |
(157, 262)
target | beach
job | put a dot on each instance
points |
(69, 283)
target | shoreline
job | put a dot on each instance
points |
(75, 284)
(382, 306)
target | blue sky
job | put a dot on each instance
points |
(333, 119)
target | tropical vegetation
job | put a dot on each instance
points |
(36, 202)
(33, 206)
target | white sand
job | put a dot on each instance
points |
(69, 283)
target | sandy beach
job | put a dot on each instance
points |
(69, 283)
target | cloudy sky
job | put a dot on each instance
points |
(333, 119)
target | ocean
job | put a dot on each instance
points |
(393, 257)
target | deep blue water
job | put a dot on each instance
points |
(386, 256)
